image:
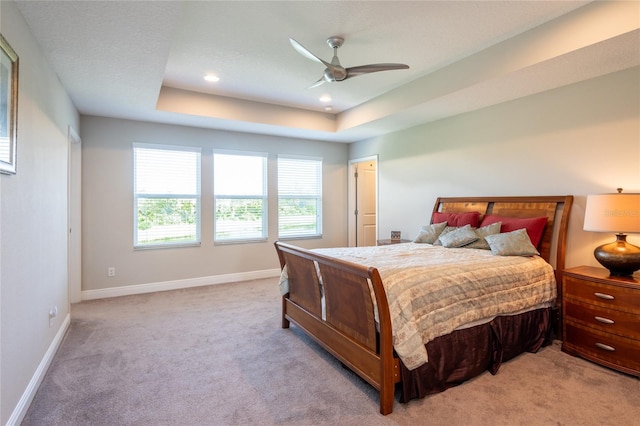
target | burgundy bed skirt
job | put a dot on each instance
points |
(464, 354)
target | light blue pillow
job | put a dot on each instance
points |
(514, 243)
(458, 237)
(481, 243)
(444, 232)
(430, 233)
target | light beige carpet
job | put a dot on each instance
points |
(217, 356)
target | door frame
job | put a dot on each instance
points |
(74, 216)
(351, 190)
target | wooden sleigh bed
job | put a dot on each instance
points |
(343, 306)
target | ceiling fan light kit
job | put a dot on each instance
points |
(334, 71)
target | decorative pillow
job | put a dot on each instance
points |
(445, 231)
(481, 243)
(430, 233)
(533, 225)
(458, 237)
(514, 243)
(457, 219)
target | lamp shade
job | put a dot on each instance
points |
(619, 213)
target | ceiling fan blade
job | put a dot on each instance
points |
(307, 53)
(367, 69)
(317, 83)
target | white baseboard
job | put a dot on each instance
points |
(178, 284)
(30, 392)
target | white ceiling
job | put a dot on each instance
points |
(146, 60)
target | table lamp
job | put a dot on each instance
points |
(619, 213)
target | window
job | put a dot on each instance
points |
(299, 197)
(166, 195)
(239, 196)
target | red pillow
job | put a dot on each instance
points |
(457, 219)
(533, 225)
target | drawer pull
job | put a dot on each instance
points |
(604, 296)
(605, 347)
(604, 320)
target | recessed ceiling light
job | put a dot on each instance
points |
(325, 98)
(328, 108)
(212, 78)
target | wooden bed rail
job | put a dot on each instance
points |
(346, 326)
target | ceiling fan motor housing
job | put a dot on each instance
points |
(335, 41)
(337, 74)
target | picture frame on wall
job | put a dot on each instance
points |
(8, 107)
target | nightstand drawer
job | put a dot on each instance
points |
(613, 351)
(606, 320)
(614, 297)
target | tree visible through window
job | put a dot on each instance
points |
(166, 195)
(299, 197)
(240, 196)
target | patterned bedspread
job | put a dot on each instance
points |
(434, 290)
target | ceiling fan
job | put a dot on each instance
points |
(335, 71)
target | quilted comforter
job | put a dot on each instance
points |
(433, 290)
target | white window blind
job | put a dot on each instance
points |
(240, 196)
(299, 197)
(166, 195)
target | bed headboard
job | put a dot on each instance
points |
(555, 208)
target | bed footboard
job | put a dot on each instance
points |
(332, 301)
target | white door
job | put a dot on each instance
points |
(365, 194)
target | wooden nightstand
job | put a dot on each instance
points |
(601, 318)
(389, 241)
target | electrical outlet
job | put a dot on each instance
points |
(111, 271)
(53, 313)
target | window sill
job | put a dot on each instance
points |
(165, 246)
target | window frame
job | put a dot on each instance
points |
(264, 197)
(318, 197)
(197, 197)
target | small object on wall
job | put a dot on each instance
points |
(396, 235)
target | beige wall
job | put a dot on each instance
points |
(33, 224)
(107, 205)
(579, 139)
